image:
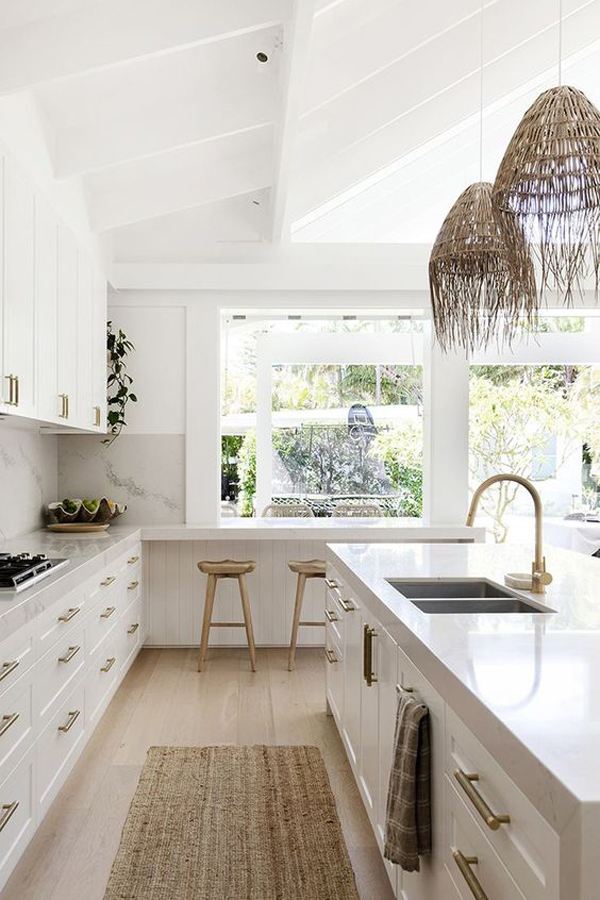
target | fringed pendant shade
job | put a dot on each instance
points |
(549, 183)
(481, 275)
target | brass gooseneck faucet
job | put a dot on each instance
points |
(539, 577)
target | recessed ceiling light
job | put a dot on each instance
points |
(262, 57)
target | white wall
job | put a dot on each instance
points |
(28, 478)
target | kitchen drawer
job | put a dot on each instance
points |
(17, 723)
(103, 672)
(131, 590)
(465, 836)
(130, 631)
(57, 671)
(103, 618)
(58, 746)
(104, 587)
(334, 663)
(57, 621)
(17, 813)
(527, 845)
(334, 613)
(17, 655)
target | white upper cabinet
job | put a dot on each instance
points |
(67, 327)
(98, 353)
(19, 302)
(46, 310)
(85, 302)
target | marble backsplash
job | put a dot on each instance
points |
(28, 478)
(145, 471)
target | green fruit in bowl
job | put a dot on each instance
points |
(91, 505)
(69, 506)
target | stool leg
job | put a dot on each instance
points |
(247, 620)
(209, 601)
(297, 613)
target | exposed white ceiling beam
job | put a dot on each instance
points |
(295, 54)
(117, 31)
(179, 179)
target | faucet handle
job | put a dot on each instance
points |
(542, 577)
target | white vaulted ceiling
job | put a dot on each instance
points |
(363, 126)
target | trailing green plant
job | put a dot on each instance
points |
(118, 383)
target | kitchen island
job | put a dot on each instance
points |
(513, 699)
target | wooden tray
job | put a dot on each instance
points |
(77, 527)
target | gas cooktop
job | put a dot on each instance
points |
(21, 570)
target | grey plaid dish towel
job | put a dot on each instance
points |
(408, 814)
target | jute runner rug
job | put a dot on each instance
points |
(232, 823)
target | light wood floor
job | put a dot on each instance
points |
(163, 700)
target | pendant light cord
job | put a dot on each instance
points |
(560, 40)
(481, 90)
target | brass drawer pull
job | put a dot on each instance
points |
(346, 605)
(331, 615)
(331, 657)
(69, 654)
(133, 628)
(491, 820)
(73, 716)
(10, 379)
(7, 721)
(108, 581)
(109, 664)
(464, 863)
(97, 421)
(108, 612)
(132, 586)
(331, 583)
(400, 689)
(7, 668)
(16, 390)
(132, 561)
(8, 811)
(72, 612)
(368, 674)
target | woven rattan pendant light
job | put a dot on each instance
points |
(481, 276)
(549, 183)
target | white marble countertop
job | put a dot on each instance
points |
(87, 554)
(329, 529)
(528, 685)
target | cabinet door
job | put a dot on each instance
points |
(19, 320)
(352, 683)
(85, 358)
(99, 352)
(46, 310)
(388, 702)
(369, 718)
(67, 325)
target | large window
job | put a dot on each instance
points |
(340, 424)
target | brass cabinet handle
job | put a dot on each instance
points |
(109, 664)
(69, 654)
(108, 612)
(70, 614)
(9, 378)
(97, 416)
(346, 605)
(108, 580)
(331, 615)
(16, 377)
(7, 668)
(73, 716)
(133, 628)
(464, 863)
(368, 674)
(8, 811)
(132, 586)
(67, 406)
(331, 583)
(491, 820)
(7, 721)
(400, 689)
(132, 561)
(330, 656)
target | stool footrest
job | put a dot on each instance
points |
(313, 624)
(227, 624)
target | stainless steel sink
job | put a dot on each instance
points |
(474, 595)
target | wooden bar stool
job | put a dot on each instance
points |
(311, 568)
(226, 568)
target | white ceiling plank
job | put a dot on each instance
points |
(180, 179)
(295, 54)
(117, 31)
(113, 115)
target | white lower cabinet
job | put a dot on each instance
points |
(57, 675)
(516, 859)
